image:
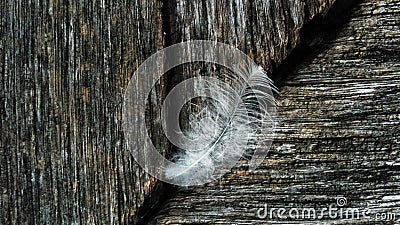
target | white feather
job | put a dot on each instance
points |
(239, 120)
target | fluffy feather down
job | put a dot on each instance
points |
(239, 119)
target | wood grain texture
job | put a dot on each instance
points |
(338, 136)
(265, 30)
(64, 68)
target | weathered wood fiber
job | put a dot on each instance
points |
(64, 68)
(265, 30)
(338, 135)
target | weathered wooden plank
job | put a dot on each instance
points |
(266, 30)
(64, 69)
(338, 136)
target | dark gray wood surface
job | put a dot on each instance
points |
(338, 137)
(64, 69)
